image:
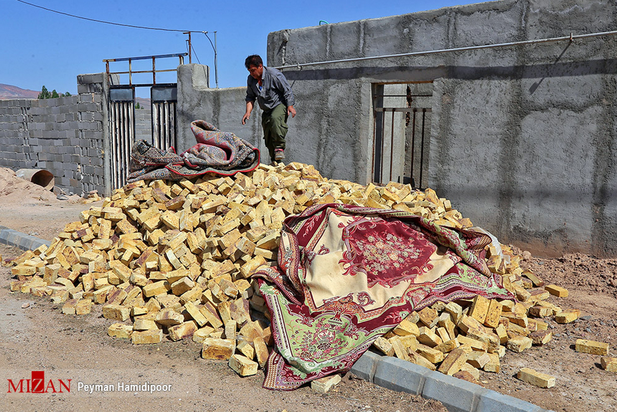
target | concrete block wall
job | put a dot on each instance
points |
(522, 137)
(143, 124)
(62, 135)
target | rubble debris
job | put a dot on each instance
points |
(175, 259)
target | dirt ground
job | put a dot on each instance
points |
(36, 336)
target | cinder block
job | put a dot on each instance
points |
(365, 366)
(90, 79)
(399, 375)
(456, 394)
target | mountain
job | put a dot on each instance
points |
(13, 92)
(8, 92)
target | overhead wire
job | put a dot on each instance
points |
(107, 22)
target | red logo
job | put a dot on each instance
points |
(38, 384)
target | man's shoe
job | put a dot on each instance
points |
(279, 154)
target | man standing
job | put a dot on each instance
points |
(272, 91)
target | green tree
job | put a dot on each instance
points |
(137, 105)
(44, 93)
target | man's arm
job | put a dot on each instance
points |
(247, 114)
(290, 100)
(291, 111)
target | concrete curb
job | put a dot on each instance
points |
(21, 240)
(456, 395)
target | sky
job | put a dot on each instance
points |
(44, 48)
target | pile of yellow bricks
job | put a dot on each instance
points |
(175, 259)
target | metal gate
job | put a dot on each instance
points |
(163, 99)
(401, 135)
(122, 131)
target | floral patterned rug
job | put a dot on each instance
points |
(346, 275)
(221, 153)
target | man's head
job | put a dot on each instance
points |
(255, 66)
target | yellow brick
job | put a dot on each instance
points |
(323, 385)
(120, 330)
(567, 316)
(493, 314)
(478, 359)
(428, 337)
(182, 331)
(541, 337)
(493, 365)
(532, 377)
(609, 364)
(147, 337)
(156, 288)
(479, 308)
(217, 348)
(428, 316)
(405, 328)
(144, 324)
(590, 346)
(116, 312)
(242, 365)
(453, 362)
(432, 355)
(519, 343)
(400, 351)
(557, 291)
(384, 346)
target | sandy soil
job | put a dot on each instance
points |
(36, 336)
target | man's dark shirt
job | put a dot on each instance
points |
(274, 90)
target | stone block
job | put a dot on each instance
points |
(400, 375)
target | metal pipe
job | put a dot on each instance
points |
(438, 51)
(146, 71)
(391, 144)
(158, 56)
(422, 147)
(216, 71)
(190, 46)
(413, 143)
(373, 145)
